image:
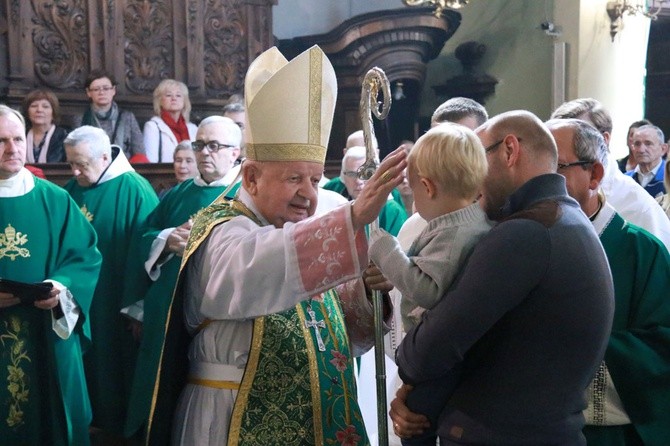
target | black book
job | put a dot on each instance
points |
(27, 292)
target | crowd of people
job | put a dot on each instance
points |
(524, 274)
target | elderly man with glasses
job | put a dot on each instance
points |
(216, 147)
(628, 398)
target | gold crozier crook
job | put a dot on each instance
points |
(375, 81)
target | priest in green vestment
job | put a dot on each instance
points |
(271, 300)
(629, 398)
(217, 147)
(116, 200)
(43, 237)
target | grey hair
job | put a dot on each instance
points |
(592, 108)
(96, 138)
(184, 145)
(228, 124)
(234, 107)
(588, 142)
(659, 132)
(8, 111)
(355, 152)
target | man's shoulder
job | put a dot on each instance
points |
(213, 215)
(643, 238)
(545, 212)
(186, 187)
(48, 188)
(132, 179)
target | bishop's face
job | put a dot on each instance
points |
(287, 191)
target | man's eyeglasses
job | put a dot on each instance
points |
(576, 163)
(351, 174)
(490, 148)
(106, 88)
(212, 146)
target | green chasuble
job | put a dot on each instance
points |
(117, 209)
(638, 353)
(43, 235)
(298, 386)
(180, 204)
(392, 215)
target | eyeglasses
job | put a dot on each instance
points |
(212, 146)
(490, 148)
(576, 163)
(106, 88)
(493, 146)
(351, 174)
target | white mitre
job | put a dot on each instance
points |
(290, 106)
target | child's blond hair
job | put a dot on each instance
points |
(451, 156)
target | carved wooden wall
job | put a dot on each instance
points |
(207, 44)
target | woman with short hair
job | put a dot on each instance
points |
(44, 138)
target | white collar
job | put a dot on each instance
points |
(603, 218)
(118, 167)
(227, 179)
(20, 184)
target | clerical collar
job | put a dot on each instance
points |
(18, 185)
(601, 202)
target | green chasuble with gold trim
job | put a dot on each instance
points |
(43, 235)
(117, 209)
(298, 387)
(180, 204)
(638, 353)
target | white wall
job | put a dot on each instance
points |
(519, 53)
(612, 72)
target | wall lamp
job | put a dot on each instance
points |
(439, 5)
(616, 10)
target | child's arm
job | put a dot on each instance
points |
(423, 278)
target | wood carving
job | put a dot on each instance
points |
(149, 44)
(225, 48)
(60, 40)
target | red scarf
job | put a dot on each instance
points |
(178, 128)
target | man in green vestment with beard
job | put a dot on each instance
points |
(629, 398)
(117, 201)
(43, 237)
(217, 147)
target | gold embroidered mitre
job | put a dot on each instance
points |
(290, 106)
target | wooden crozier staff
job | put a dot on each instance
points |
(375, 81)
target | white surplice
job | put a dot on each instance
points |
(243, 271)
